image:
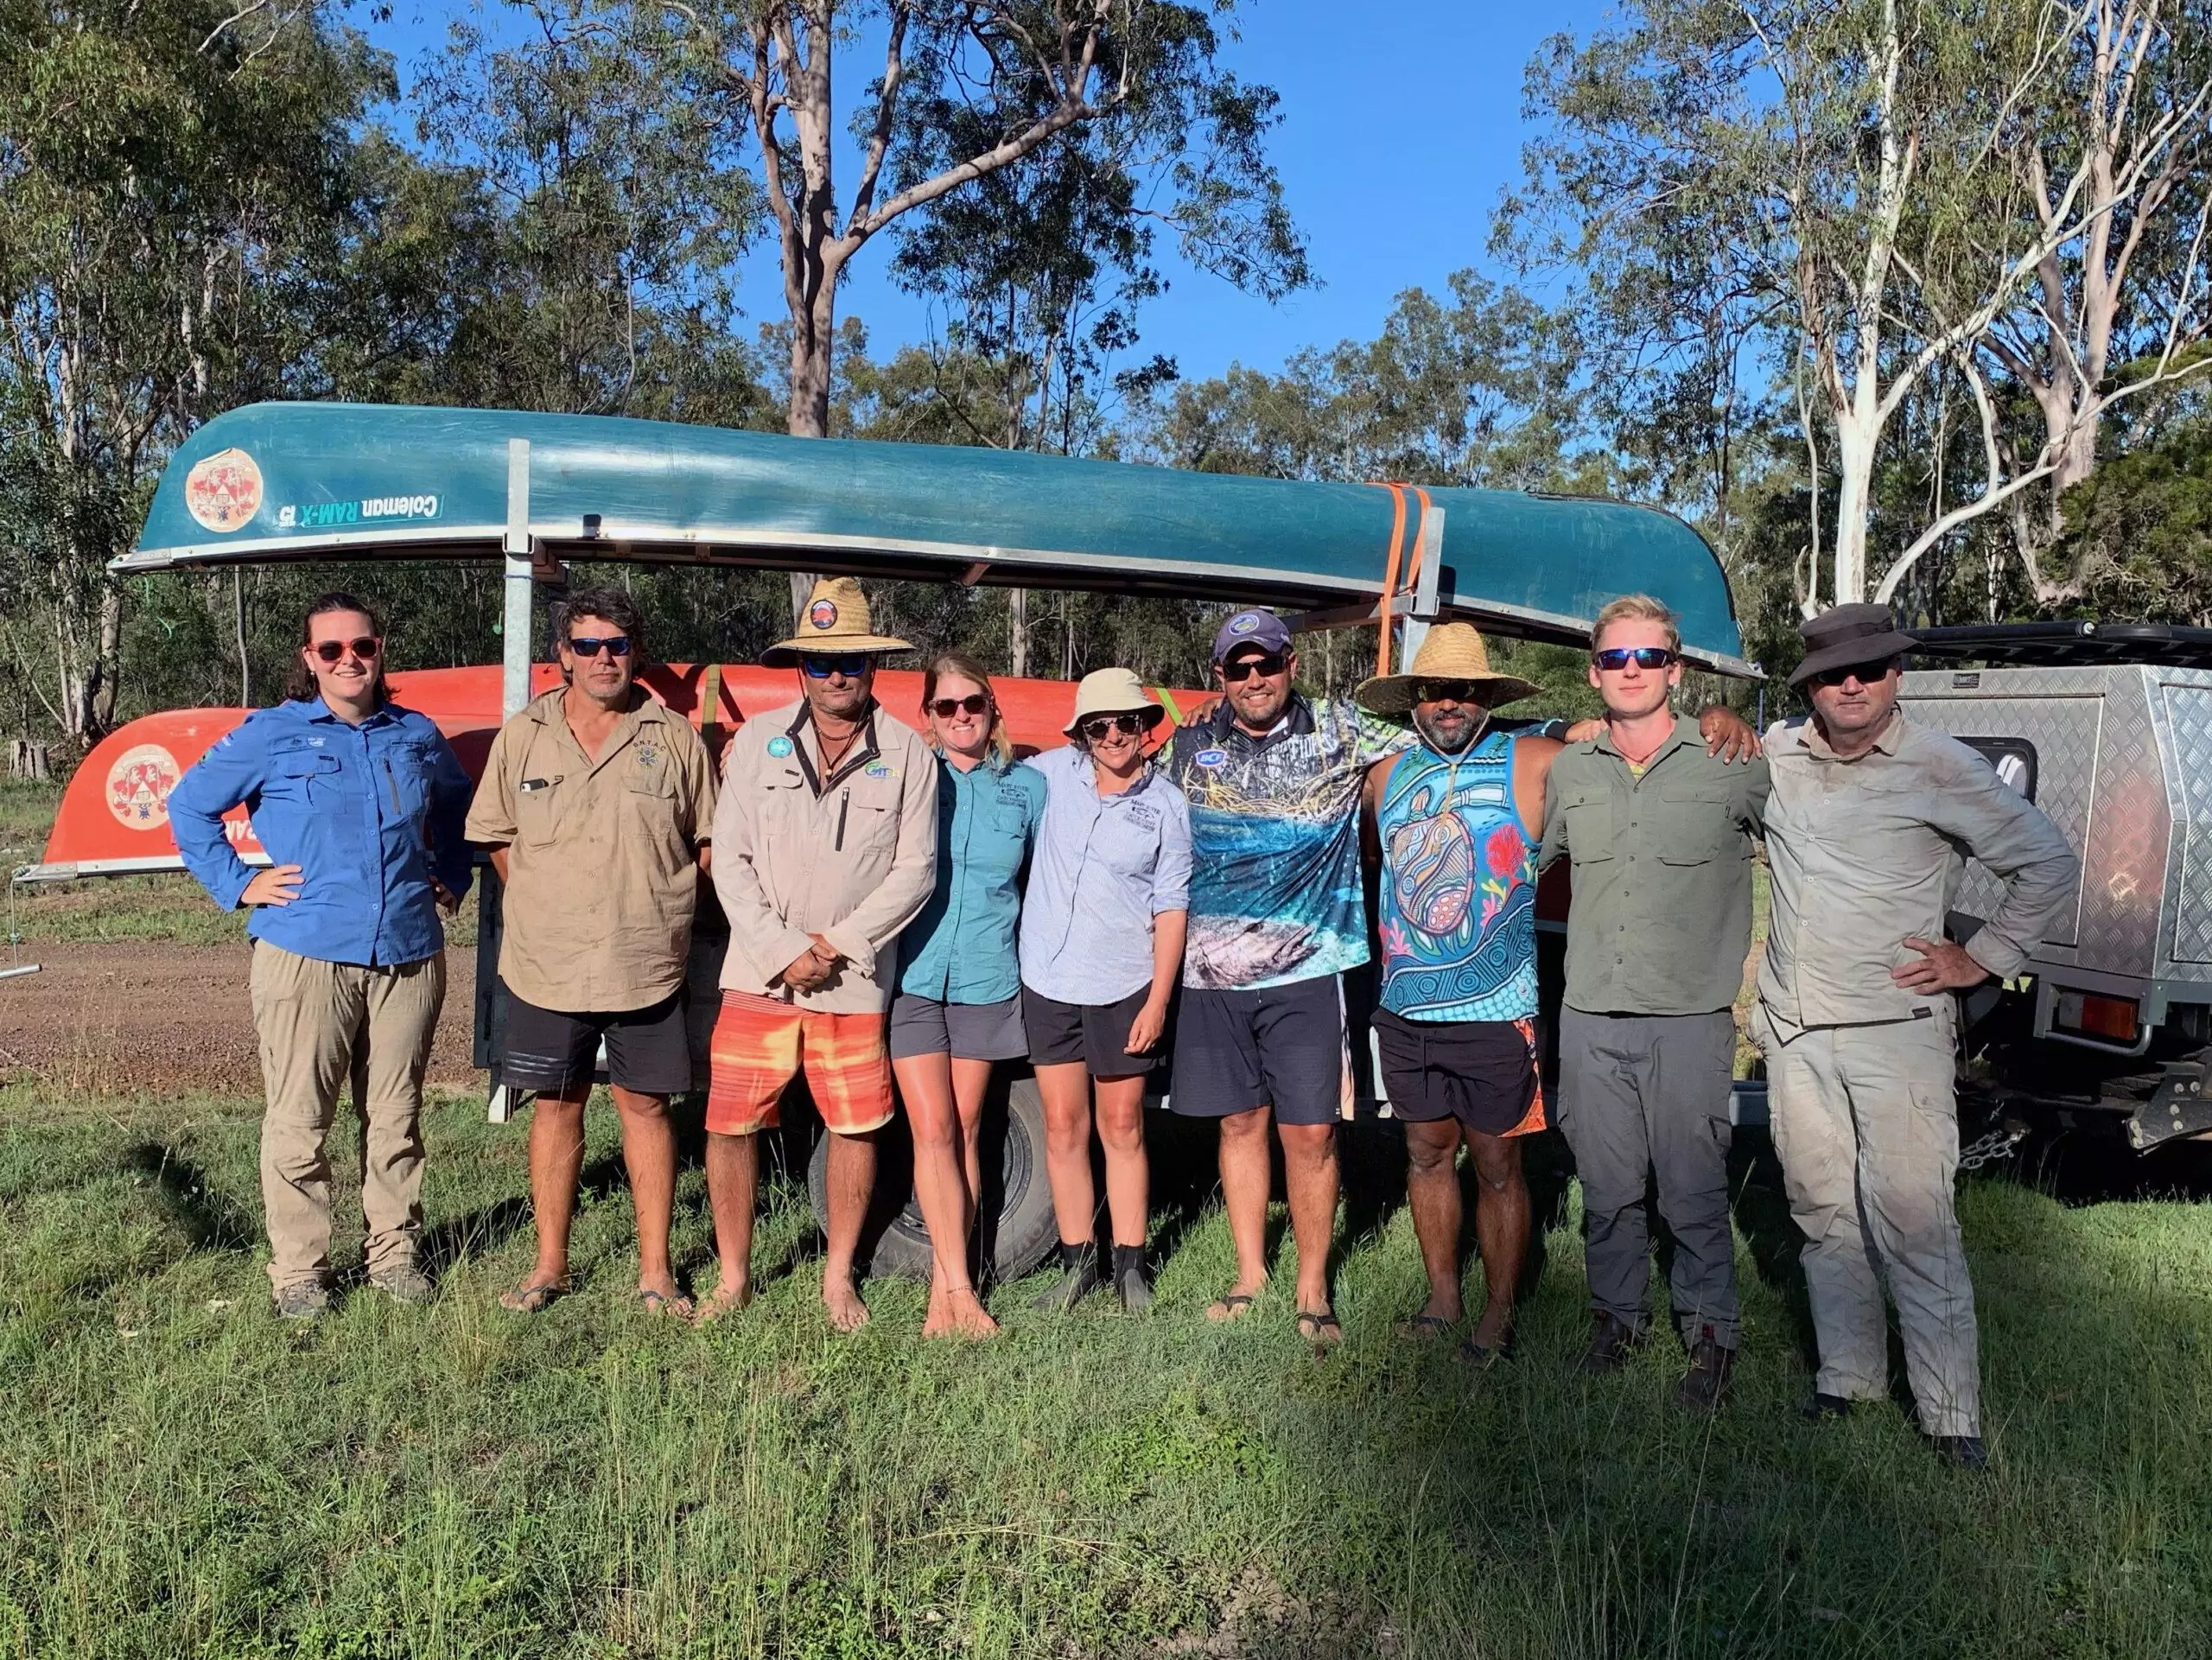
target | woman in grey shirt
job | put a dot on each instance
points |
(1102, 944)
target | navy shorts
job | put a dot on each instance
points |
(1278, 1046)
(551, 1050)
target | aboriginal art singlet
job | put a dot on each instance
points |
(1458, 890)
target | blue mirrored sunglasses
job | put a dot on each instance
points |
(851, 665)
(1645, 656)
(592, 644)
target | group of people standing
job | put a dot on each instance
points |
(910, 905)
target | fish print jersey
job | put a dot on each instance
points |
(1274, 831)
(1458, 890)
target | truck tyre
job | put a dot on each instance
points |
(1016, 1226)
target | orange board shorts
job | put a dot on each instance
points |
(758, 1046)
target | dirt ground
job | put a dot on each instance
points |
(125, 1016)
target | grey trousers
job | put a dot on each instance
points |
(1649, 1093)
(1867, 1130)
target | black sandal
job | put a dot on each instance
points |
(1233, 1306)
(1426, 1328)
(532, 1298)
(1314, 1322)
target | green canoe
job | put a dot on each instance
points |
(300, 481)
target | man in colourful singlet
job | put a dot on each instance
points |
(1276, 916)
(1457, 819)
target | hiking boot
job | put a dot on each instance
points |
(302, 1300)
(1078, 1279)
(1825, 1408)
(1706, 1385)
(404, 1282)
(1129, 1283)
(1611, 1341)
(1961, 1452)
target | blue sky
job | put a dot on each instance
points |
(1397, 139)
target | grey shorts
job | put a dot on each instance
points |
(923, 1025)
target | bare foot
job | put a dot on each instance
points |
(1493, 1333)
(847, 1312)
(1236, 1302)
(960, 1313)
(727, 1298)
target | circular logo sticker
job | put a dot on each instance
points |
(138, 786)
(779, 746)
(223, 491)
(1210, 758)
(1244, 622)
(823, 614)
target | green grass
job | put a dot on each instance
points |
(178, 1475)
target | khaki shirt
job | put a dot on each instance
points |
(1868, 851)
(852, 856)
(602, 856)
(1661, 920)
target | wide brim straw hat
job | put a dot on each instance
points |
(1453, 650)
(1112, 691)
(835, 620)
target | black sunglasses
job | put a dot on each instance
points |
(974, 703)
(1099, 725)
(1866, 674)
(1270, 663)
(1644, 657)
(592, 644)
(1445, 691)
(331, 650)
(851, 665)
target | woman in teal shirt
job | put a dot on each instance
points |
(957, 1009)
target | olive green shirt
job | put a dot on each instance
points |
(1661, 920)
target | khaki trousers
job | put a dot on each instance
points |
(1867, 1130)
(320, 1024)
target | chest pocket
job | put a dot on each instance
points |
(1127, 838)
(866, 821)
(537, 812)
(1589, 815)
(405, 770)
(312, 775)
(1694, 828)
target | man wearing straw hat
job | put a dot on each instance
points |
(1457, 819)
(1869, 824)
(826, 848)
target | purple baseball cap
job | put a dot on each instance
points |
(1261, 628)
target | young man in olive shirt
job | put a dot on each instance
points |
(1661, 834)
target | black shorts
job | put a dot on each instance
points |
(551, 1050)
(1481, 1072)
(1097, 1035)
(1278, 1046)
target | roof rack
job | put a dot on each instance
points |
(2069, 645)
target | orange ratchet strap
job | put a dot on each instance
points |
(1391, 587)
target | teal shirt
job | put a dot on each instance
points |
(961, 949)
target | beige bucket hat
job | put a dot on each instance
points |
(1112, 691)
(1453, 650)
(835, 619)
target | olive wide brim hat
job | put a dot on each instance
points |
(836, 621)
(1453, 650)
(1845, 635)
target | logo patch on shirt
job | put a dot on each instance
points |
(648, 754)
(780, 747)
(879, 769)
(1210, 758)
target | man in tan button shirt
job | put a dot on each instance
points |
(827, 838)
(1869, 824)
(595, 803)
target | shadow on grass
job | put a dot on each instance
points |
(208, 1220)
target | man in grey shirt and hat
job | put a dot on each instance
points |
(1869, 825)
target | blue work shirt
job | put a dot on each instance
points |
(961, 949)
(370, 813)
(1103, 868)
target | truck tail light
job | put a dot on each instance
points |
(2113, 1019)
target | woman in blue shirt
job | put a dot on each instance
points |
(1102, 948)
(360, 805)
(957, 1009)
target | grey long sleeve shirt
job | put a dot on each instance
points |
(1868, 851)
